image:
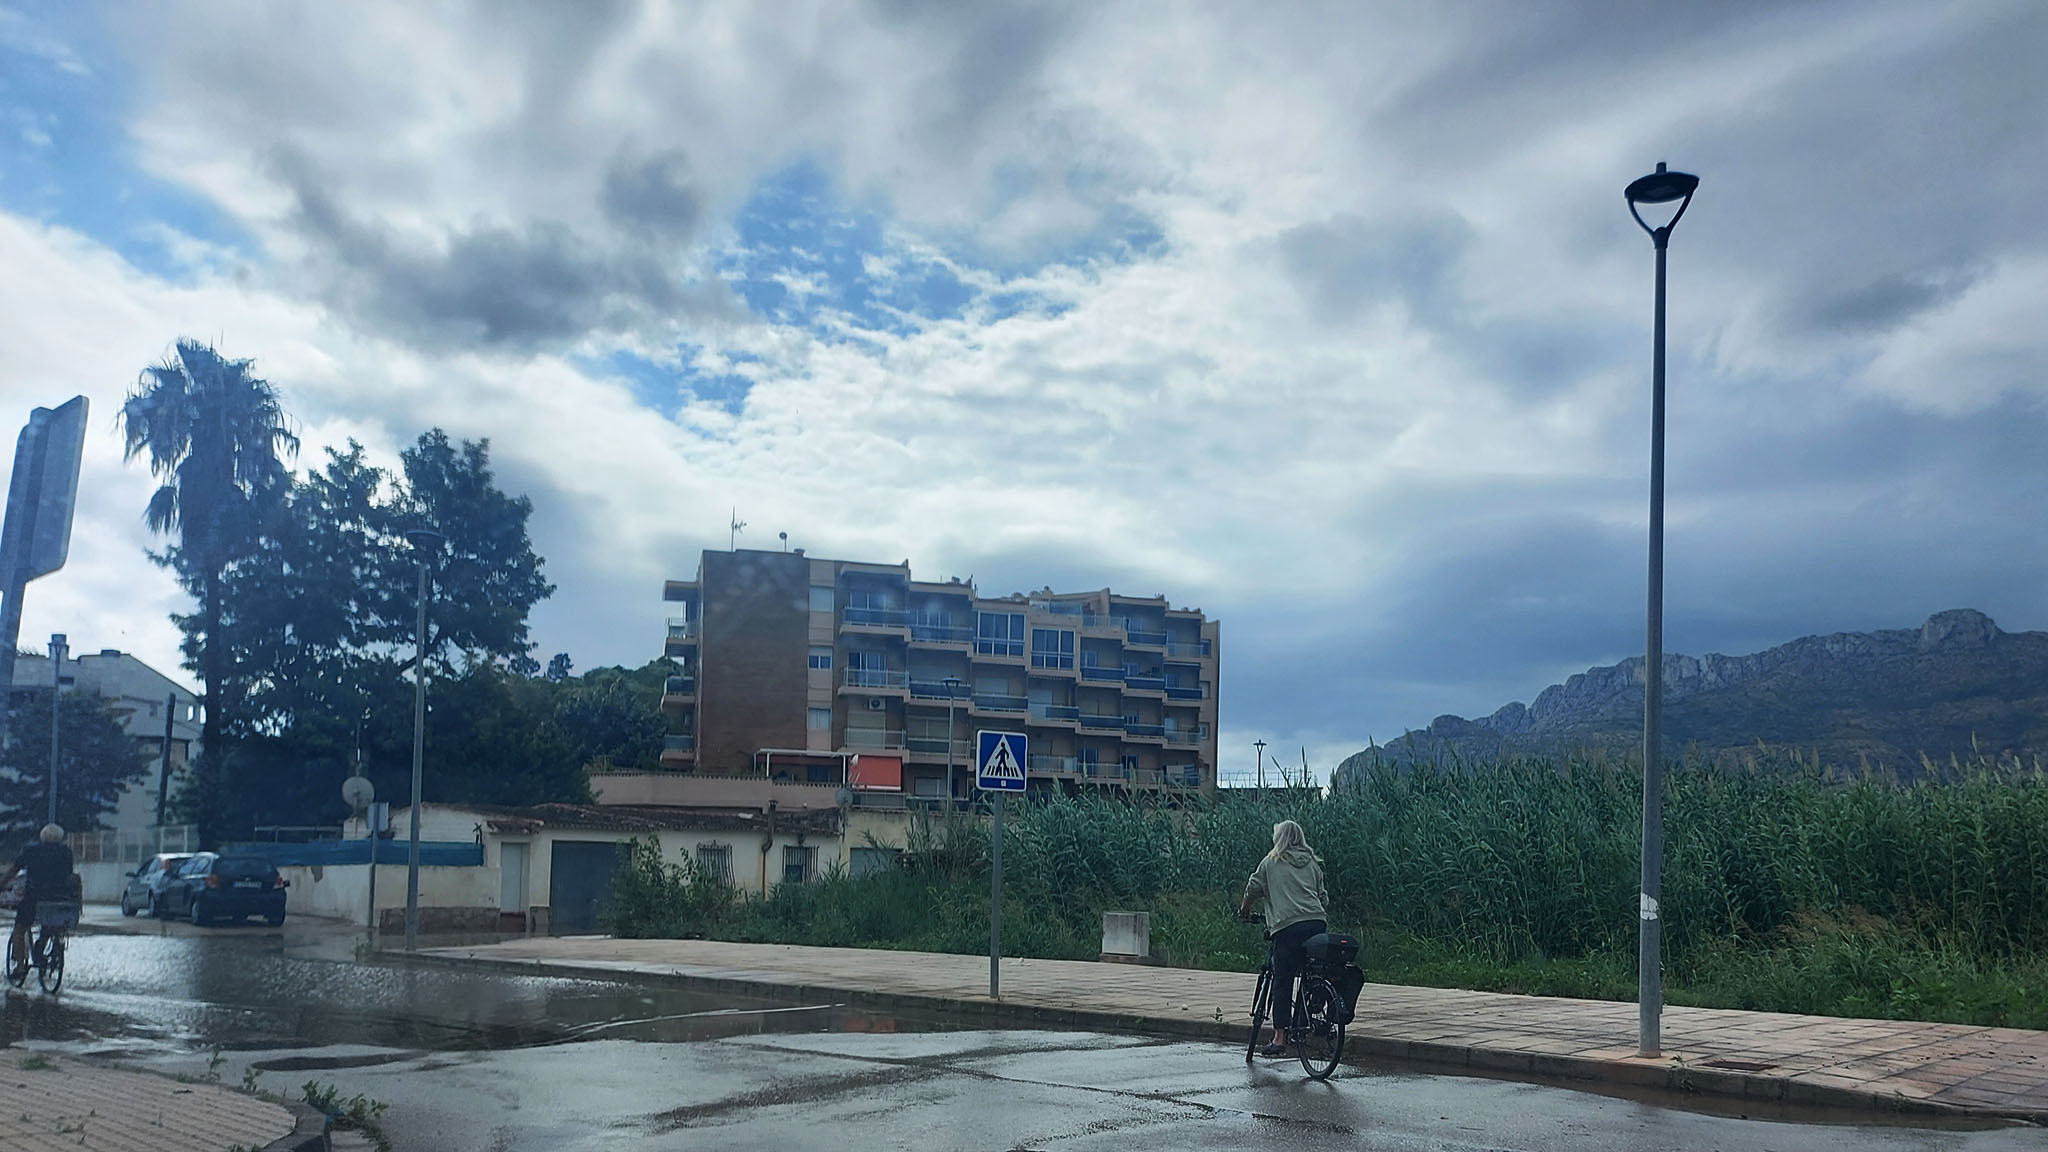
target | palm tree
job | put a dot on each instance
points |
(213, 431)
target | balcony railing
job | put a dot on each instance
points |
(1101, 672)
(936, 746)
(1187, 737)
(1040, 765)
(1054, 712)
(874, 738)
(1194, 649)
(1135, 728)
(679, 742)
(1136, 632)
(938, 690)
(679, 686)
(1184, 691)
(1062, 608)
(1184, 776)
(876, 678)
(1098, 770)
(681, 628)
(1102, 720)
(1001, 703)
(876, 616)
(983, 646)
(939, 631)
(1144, 683)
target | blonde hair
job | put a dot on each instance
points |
(52, 834)
(1287, 834)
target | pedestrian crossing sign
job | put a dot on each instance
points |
(999, 761)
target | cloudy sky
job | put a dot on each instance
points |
(1327, 319)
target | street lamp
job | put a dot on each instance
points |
(1659, 187)
(422, 540)
(952, 702)
(1261, 746)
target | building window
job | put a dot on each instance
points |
(819, 720)
(796, 863)
(1130, 763)
(862, 660)
(932, 786)
(868, 861)
(714, 861)
(999, 633)
(1052, 648)
(822, 600)
(821, 658)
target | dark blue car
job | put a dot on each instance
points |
(213, 887)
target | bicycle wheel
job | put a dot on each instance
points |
(1319, 1028)
(51, 971)
(1262, 1001)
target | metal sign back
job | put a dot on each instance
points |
(43, 493)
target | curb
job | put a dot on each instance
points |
(309, 1134)
(1681, 1080)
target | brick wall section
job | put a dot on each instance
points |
(754, 650)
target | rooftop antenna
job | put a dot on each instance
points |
(733, 541)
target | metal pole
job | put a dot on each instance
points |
(1261, 746)
(952, 705)
(419, 737)
(163, 779)
(1649, 975)
(374, 841)
(995, 906)
(56, 713)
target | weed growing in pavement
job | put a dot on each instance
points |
(358, 1112)
(36, 1062)
(213, 1064)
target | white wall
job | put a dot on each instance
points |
(342, 891)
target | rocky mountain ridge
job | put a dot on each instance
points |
(1955, 684)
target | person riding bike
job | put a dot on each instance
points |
(50, 867)
(1289, 882)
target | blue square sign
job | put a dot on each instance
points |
(999, 761)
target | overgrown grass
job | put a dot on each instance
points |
(1786, 887)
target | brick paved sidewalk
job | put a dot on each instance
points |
(50, 1104)
(1887, 1064)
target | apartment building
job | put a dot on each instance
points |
(808, 670)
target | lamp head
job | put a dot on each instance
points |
(1661, 187)
(424, 538)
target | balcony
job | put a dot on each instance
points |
(1135, 633)
(1144, 731)
(1039, 765)
(935, 746)
(927, 630)
(1007, 649)
(1188, 649)
(874, 615)
(876, 679)
(1097, 770)
(1055, 712)
(1183, 776)
(1103, 721)
(682, 633)
(887, 739)
(679, 746)
(1001, 703)
(1133, 682)
(1184, 692)
(938, 690)
(1187, 737)
(1101, 672)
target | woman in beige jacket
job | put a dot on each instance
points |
(1289, 885)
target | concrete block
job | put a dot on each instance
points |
(1126, 935)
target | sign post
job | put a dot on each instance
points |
(998, 768)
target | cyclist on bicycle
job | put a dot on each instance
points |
(1289, 881)
(49, 867)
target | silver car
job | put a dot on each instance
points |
(147, 882)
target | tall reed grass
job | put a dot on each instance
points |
(1785, 886)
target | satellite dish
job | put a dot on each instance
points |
(357, 792)
(845, 797)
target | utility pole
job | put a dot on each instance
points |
(56, 713)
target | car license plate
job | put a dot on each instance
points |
(248, 883)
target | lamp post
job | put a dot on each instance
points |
(1659, 187)
(422, 539)
(1261, 746)
(952, 703)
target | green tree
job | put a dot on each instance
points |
(97, 759)
(215, 434)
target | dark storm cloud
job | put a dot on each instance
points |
(652, 194)
(1887, 301)
(492, 284)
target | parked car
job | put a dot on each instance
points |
(145, 882)
(214, 887)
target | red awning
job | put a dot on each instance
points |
(876, 773)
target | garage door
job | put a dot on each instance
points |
(580, 885)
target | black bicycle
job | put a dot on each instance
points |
(54, 919)
(1320, 1010)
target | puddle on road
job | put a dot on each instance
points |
(140, 996)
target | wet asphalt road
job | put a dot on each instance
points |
(505, 1064)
